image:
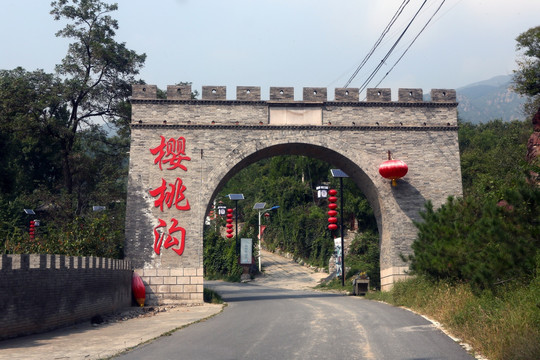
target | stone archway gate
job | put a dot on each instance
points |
(183, 151)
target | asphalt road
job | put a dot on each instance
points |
(263, 322)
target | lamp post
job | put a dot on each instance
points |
(337, 173)
(259, 207)
(236, 197)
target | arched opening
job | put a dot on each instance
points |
(299, 229)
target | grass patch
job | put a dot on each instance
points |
(212, 297)
(505, 325)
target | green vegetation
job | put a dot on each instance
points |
(527, 78)
(501, 326)
(477, 259)
(212, 297)
(479, 241)
(493, 157)
(220, 259)
(55, 159)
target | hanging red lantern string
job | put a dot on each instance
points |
(229, 223)
(332, 220)
(32, 230)
(393, 169)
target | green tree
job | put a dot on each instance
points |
(29, 113)
(57, 160)
(493, 156)
(479, 241)
(97, 71)
(527, 77)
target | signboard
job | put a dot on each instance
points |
(337, 253)
(246, 251)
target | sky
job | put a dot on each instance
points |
(296, 43)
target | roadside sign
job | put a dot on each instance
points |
(246, 251)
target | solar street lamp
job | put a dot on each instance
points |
(259, 207)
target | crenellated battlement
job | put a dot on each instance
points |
(9, 262)
(346, 109)
(286, 94)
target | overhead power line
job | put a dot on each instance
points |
(379, 40)
(412, 42)
(383, 61)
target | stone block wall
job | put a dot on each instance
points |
(222, 136)
(43, 292)
(176, 285)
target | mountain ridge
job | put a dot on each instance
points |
(490, 99)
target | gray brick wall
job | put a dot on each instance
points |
(224, 136)
(43, 292)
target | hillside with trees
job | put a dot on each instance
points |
(56, 159)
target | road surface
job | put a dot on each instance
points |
(273, 319)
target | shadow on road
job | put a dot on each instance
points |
(236, 292)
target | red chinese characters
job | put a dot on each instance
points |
(173, 196)
(167, 239)
(170, 153)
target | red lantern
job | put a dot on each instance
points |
(332, 206)
(332, 192)
(332, 220)
(332, 212)
(229, 226)
(393, 169)
(332, 227)
(138, 289)
(230, 236)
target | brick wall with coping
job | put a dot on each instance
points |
(43, 292)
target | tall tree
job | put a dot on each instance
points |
(527, 82)
(97, 70)
(527, 77)
(30, 115)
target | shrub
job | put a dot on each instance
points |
(480, 242)
(220, 258)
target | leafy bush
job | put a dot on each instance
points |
(96, 235)
(479, 241)
(220, 259)
(363, 256)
